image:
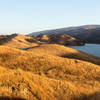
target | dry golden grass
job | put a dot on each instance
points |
(17, 83)
(21, 84)
(18, 41)
(48, 74)
(62, 51)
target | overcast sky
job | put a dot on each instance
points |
(26, 16)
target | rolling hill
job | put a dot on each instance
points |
(24, 41)
(48, 72)
(62, 39)
(17, 41)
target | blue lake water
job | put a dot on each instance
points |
(93, 49)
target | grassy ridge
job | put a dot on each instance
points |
(62, 51)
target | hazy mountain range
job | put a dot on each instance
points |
(86, 33)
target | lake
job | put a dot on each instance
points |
(93, 49)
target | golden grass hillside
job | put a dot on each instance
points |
(17, 41)
(46, 75)
(66, 52)
(28, 86)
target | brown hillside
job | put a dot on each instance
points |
(46, 75)
(17, 41)
(23, 41)
(62, 39)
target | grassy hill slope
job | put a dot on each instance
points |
(65, 52)
(42, 75)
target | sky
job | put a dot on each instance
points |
(26, 16)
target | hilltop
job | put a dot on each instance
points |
(43, 74)
(17, 41)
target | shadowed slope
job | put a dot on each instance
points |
(10, 98)
(86, 33)
(62, 39)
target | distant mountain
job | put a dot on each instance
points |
(87, 36)
(86, 33)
